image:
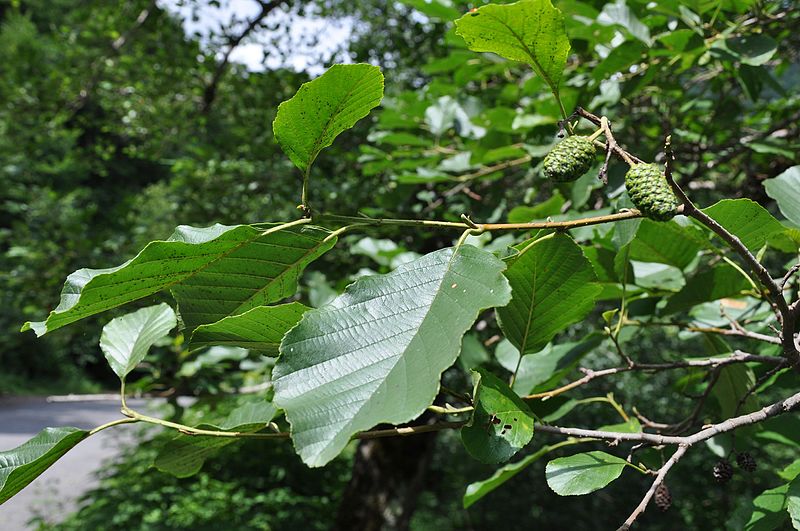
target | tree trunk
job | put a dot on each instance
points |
(388, 475)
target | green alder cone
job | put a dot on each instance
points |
(650, 192)
(569, 159)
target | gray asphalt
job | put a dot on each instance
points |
(55, 493)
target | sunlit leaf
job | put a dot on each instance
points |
(530, 31)
(126, 339)
(583, 473)
(325, 107)
(212, 272)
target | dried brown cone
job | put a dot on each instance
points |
(662, 498)
(723, 471)
(746, 462)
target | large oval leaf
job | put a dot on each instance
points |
(501, 425)
(375, 354)
(260, 329)
(126, 339)
(323, 108)
(23, 464)
(213, 272)
(583, 473)
(530, 31)
(553, 286)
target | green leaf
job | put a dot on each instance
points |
(23, 464)
(213, 272)
(785, 190)
(666, 243)
(325, 107)
(184, 455)
(501, 425)
(553, 286)
(260, 329)
(126, 339)
(711, 285)
(530, 31)
(583, 473)
(747, 220)
(768, 511)
(525, 214)
(753, 50)
(375, 354)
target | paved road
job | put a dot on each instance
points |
(54, 494)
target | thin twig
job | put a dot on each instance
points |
(778, 408)
(736, 357)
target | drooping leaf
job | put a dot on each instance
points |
(325, 107)
(530, 31)
(747, 220)
(23, 464)
(553, 286)
(375, 354)
(259, 329)
(213, 272)
(583, 473)
(501, 425)
(785, 190)
(184, 455)
(126, 339)
(711, 285)
(666, 243)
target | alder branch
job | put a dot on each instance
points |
(771, 290)
(480, 227)
(735, 332)
(736, 357)
(773, 410)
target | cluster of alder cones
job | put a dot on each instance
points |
(723, 472)
(646, 184)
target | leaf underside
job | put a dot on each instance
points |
(376, 353)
